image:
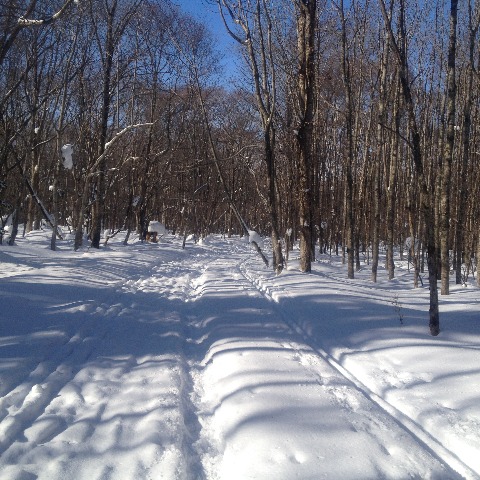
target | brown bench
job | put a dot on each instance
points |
(152, 237)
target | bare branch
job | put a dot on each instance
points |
(27, 22)
(114, 139)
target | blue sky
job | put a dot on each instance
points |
(206, 11)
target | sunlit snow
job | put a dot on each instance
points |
(155, 226)
(149, 361)
(253, 236)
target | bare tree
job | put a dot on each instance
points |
(258, 44)
(306, 21)
(14, 25)
(195, 54)
(380, 153)
(426, 195)
(461, 252)
(349, 192)
(116, 21)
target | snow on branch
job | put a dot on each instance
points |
(67, 151)
(125, 130)
(115, 138)
(29, 22)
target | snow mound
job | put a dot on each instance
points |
(158, 227)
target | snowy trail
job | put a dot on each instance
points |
(108, 393)
(150, 362)
(22, 405)
(448, 436)
(344, 433)
(421, 435)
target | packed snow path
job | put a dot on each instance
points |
(149, 362)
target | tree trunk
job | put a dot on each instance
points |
(392, 184)
(306, 23)
(14, 227)
(466, 138)
(448, 152)
(376, 220)
(99, 206)
(380, 150)
(78, 242)
(347, 84)
(278, 262)
(478, 257)
(426, 197)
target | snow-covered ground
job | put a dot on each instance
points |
(148, 361)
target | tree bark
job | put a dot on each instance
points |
(392, 183)
(460, 250)
(110, 45)
(306, 22)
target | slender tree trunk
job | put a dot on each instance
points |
(349, 192)
(392, 184)
(448, 152)
(14, 227)
(306, 23)
(411, 207)
(53, 239)
(426, 197)
(78, 242)
(466, 138)
(478, 257)
(99, 206)
(378, 163)
(376, 220)
(278, 262)
(33, 219)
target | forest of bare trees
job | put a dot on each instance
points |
(352, 127)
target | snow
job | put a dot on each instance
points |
(155, 226)
(253, 236)
(148, 361)
(67, 152)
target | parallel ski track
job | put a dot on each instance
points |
(437, 449)
(55, 371)
(60, 366)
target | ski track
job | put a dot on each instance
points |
(77, 397)
(422, 436)
(22, 406)
(343, 387)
